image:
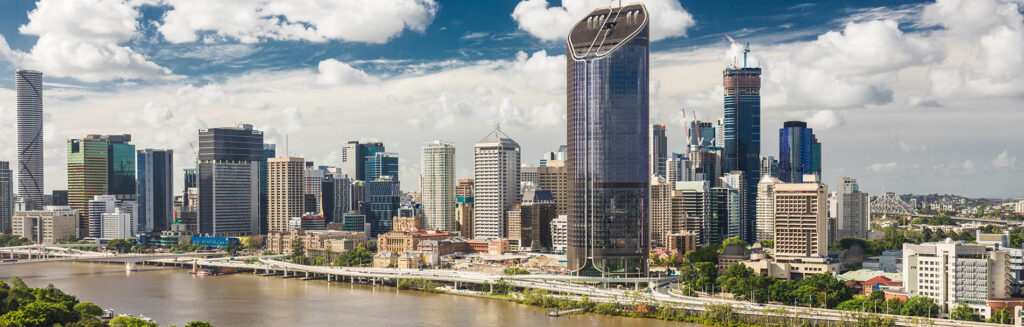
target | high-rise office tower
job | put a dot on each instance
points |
(464, 188)
(437, 186)
(496, 183)
(742, 124)
(691, 210)
(6, 196)
(228, 180)
(191, 178)
(120, 166)
(766, 208)
(658, 145)
(112, 218)
(800, 219)
(59, 197)
(738, 222)
(799, 152)
(29, 88)
(528, 176)
(286, 195)
(337, 195)
(269, 151)
(383, 196)
(607, 138)
(769, 167)
(381, 164)
(89, 175)
(678, 168)
(853, 215)
(155, 189)
(706, 165)
(535, 216)
(554, 177)
(719, 140)
(352, 156)
(313, 187)
(700, 135)
(464, 215)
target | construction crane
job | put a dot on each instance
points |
(746, 49)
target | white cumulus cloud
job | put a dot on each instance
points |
(668, 17)
(334, 72)
(250, 21)
(1004, 160)
(82, 40)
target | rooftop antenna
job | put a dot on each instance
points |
(286, 144)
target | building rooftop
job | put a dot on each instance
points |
(497, 138)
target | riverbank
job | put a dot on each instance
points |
(174, 297)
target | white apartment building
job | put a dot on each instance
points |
(437, 185)
(661, 211)
(853, 215)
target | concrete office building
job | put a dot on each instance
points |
(269, 151)
(121, 223)
(800, 219)
(464, 188)
(437, 186)
(47, 226)
(853, 213)
(286, 193)
(554, 177)
(28, 86)
(228, 180)
(6, 196)
(953, 272)
(559, 234)
(766, 208)
(661, 211)
(738, 222)
(528, 175)
(496, 183)
(98, 206)
(607, 142)
(155, 189)
(354, 155)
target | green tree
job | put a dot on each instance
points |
(359, 257)
(920, 306)
(1002, 316)
(198, 324)
(125, 321)
(119, 245)
(704, 254)
(87, 309)
(735, 240)
(298, 251)
(963, 312)
(768, 243)
(38, 314)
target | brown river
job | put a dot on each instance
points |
(173, 296)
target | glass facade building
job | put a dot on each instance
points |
(87, 176)
(607, 143)
(228, 180)
(381, 164)
(384, 197)
(799, 152)
(742, 136)
(155, 189)
(269, 151)
(29, 87)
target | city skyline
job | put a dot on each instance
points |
(919, 47)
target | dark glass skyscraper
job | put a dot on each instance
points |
(29, 86)
(156, 189)
(607, 142)
(384, 197)
(229, 180)
(799, 152)
(742, 127)
(381, 164)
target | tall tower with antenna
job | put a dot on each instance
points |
(742, 125)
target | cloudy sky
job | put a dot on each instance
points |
(906, 96)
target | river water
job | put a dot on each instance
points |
(173, 296)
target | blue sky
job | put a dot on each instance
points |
(882, 82)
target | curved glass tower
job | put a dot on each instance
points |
(607, 138)
(29, 85)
